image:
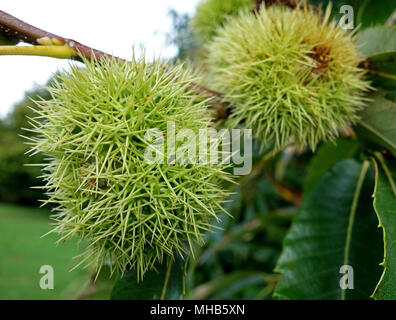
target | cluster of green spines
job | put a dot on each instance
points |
(292, 76)
(212, 14)
(133, 213)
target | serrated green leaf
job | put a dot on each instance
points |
(377, 126)
(327, 156)
(335, 226)
(385, 207)
(128, 287)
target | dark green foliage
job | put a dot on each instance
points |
(237, 261)
(367, 12)
(170, 276)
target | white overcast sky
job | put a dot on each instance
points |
(113, 26)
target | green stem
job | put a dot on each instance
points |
(352, 213)
(167, 276)
(60, 52)
(387, 171)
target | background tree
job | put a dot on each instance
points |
(17, 175)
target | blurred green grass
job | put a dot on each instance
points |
(23, 252)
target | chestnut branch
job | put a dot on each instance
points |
(45, 43)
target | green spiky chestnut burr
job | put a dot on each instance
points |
(211, 14)
(291, 75)
(133, 213)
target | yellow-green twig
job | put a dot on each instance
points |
(60, 52)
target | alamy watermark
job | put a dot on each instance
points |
(47, 280)
(205, 147)
(347, 20)
(347, 278)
